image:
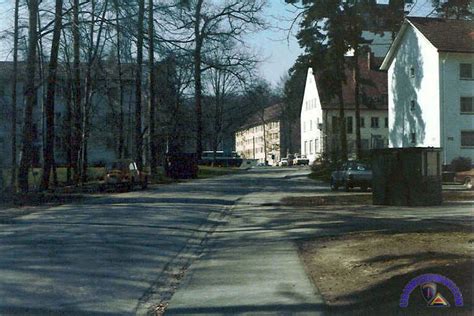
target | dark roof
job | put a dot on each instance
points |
(373, 86)
(270, 114)
(447, 34)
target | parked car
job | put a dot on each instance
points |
(466, 178)
(125, 173)
(352, 174)
(301, 161)
(283, 162)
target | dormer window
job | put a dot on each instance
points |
(465, 71)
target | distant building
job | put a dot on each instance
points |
(103, 140)
(267, 136)
(319, 118)
(431, 86)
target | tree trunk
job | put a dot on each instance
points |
(138, 87)
(357, 102)
(30, 94)
(48, 149)
(197, 77)
(14, 97)
(77, 113)
(342, 126)
(121, 146)
(152, 97)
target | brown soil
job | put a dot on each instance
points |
(363, 198)
(365, 273)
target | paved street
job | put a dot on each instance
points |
(215, 246)
(117, 254)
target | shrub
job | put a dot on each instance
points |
(461, 164)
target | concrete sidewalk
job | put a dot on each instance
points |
(251, 268)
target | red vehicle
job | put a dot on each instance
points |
(125, 173)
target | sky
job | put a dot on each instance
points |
(276, 46)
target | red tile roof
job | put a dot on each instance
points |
(373, 92)
(447, 35)
(270, 114)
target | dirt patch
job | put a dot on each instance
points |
(362, 198)
(365, 273)
(335, 199)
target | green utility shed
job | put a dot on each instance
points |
(407, 176)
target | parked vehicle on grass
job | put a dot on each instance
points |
(466, 178)
(301, 161)
(352, 174)
(125, 173)
(283, 162)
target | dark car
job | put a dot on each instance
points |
(352, 174)
(466, 178)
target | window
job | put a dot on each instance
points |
(304, 126)
(412, 105)
(316, 146)
(310, 147)
(305, 147)
(362, 122)
(413, 138)
(465, 71)
(374, 122)
(467, 138)
(350, 127)
(365, 143)
(311, 125)
(386, 122)
(467, 105)
(412, 72)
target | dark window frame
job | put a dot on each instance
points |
(470, 108)
(471, 138)
(374, 122)
(467, 73)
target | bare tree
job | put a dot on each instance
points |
(48, 150)
(14, 96)
(121, 147)
(210, 22)
(152, 92)
(138, 87)
(30, 93)
(77, 96)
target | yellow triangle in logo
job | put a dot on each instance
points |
(438, 301)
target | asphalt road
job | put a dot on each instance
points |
(120, 254)
(221, 246)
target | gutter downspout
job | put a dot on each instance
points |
(443, 108)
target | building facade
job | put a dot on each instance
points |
(320, 116)
(267, 136)
(431, 86)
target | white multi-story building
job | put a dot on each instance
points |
(267, 136)
(431, 86)
(319, 118)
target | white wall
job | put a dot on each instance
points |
(422, 88)
(453, 122)
(311, 114)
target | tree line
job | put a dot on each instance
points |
(175, 54)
